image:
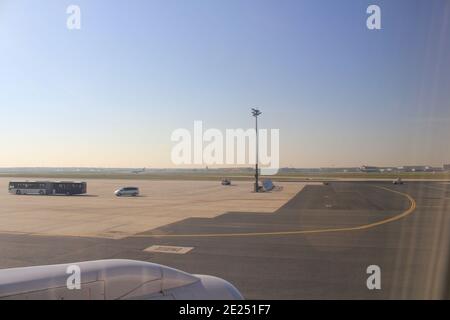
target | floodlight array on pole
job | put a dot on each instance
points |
(256, 113)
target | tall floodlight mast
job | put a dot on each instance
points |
(256, 113)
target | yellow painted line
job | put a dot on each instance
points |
(284, 233)
(252, 234)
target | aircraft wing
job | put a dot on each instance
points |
(111, 280)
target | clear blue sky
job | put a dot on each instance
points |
(111, 93)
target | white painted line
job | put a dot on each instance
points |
(168, 249)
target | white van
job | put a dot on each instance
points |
(127, 191)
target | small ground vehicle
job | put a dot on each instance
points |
(127, 191)
(226, 182)
(398, 181)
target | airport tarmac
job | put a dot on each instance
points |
(317, 245)
(101, 214)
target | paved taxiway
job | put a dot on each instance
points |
(402, 229)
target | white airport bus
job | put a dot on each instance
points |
(47, 187)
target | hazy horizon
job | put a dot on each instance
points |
(215, 167)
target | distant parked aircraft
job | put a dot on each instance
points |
(139, 171)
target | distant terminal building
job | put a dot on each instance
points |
(416, 168)
(369, 169)
(420, 169)
(447, 167)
